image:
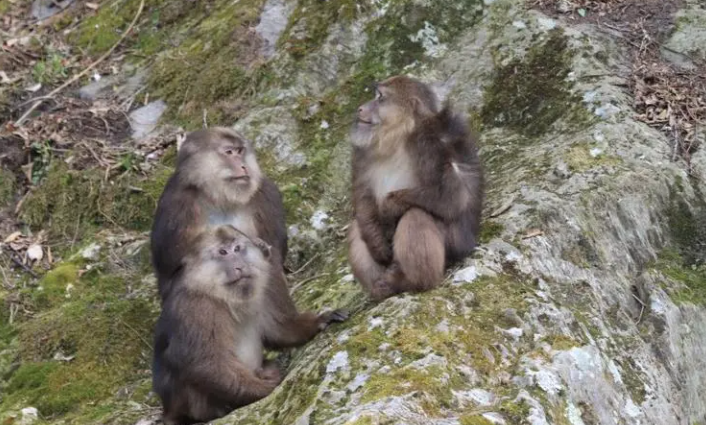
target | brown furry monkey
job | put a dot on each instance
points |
(417, 190)
(217, 181)
(227, 303)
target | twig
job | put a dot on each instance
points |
(642, 310)
(137, 334)
(85, 71)
(307, 280)
(23, 265)
(299, 270)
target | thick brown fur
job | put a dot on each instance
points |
(227, 303)
(417, 190)
(217, 181)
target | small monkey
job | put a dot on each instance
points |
(217, 181)
(417, 190)
(220, 314)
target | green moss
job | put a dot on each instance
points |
(4, 6)
(101, 31)
(428, 381)
(474, 420)
(54, 287)
(99, 330)
(516, 412)
(687, 225)
(634, 381)
(691, 278)
(214, 63)
(561, 342)
(71, 202)
(536, 87)
(7, 187)
(490, 230)
(313, 20)
(579, 158)
(365, 420)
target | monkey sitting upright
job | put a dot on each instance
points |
(217, 181)
(209, 339)
(417, 190)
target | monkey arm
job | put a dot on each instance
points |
(226, 378)
(271, 221)
(446, 198)
(177, 219)
(282, 326)
(372, 230)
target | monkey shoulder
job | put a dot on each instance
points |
(269, 191)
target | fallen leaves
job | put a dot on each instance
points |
(666, 97)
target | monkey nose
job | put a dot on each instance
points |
(238, 273)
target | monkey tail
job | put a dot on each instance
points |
(419, 251)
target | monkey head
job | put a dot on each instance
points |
(227, 264)
(220, 162)
(399, 103)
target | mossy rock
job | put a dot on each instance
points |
(529, 94)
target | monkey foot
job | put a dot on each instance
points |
(339, 315)
(269, 372)
(382, 289)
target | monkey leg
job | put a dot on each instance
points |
(365, 268)
(419, 256)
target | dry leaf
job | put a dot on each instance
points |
(93, 6)
(503, 208)
(533, 233)
(34, 88)
(13, 237)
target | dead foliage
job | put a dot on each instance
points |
(666, 97)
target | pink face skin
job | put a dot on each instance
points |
(369, 112)
(235, 158)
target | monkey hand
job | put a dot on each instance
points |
(263, 246)
(325, 319)
(269, 373)
(395, 203)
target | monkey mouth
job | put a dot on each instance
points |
(239, 178)
(243, 287)
(364, 122)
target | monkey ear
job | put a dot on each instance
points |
(420, 108)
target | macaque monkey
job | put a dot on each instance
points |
(228, 301)
(217, 181)
(417, 190)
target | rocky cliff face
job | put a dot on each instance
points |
(583, 305)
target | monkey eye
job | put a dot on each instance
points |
(223, 252)
(229, 151)
(239, 151)
(237, 248)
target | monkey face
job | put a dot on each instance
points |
(229, 265)
(222, 162)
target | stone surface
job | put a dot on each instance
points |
(144, 120)
(273, 21)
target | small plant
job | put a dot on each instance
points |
(49, 70)
(42, 157)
